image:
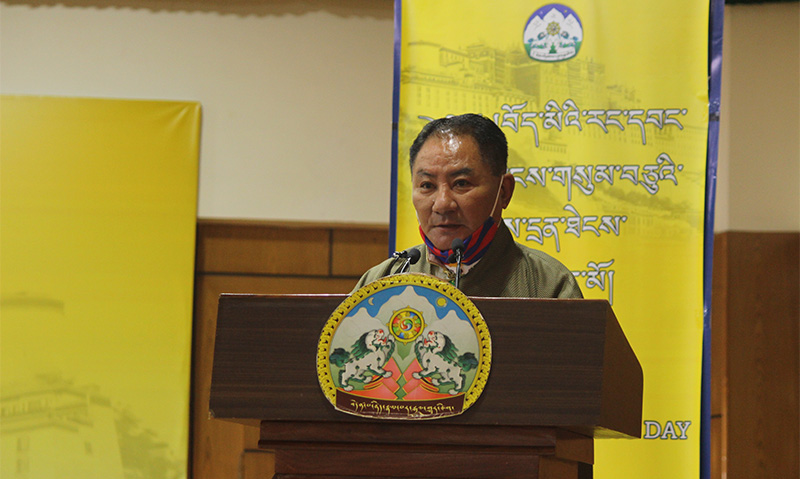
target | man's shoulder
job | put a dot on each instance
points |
(549, 273)
(539, 257)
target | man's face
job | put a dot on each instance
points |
(453, 189)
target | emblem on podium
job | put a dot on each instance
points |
(407, 346)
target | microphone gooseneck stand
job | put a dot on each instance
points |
(457, 246)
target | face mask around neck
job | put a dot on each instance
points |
(475, 245)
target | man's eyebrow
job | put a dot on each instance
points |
(459, 172)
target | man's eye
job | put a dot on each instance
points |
(461, 183)
(425, 186)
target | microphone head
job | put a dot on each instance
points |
(457, 248)
(413, 255)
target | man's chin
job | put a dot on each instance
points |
(444, 241)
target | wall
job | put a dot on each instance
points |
(296, 95)
(756, 279)
(758, 186)
(260, 257)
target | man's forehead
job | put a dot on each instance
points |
(450, 141)
(449, 148)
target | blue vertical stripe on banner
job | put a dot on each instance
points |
(398, 10)
(716, 14)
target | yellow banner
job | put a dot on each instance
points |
(97, 216)
(604, 105)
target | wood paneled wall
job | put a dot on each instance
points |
(755, 316)
(266, 258)
(755, 375)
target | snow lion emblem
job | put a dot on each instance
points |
(365, 359)
(437, 355)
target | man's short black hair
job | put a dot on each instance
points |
(490, 138)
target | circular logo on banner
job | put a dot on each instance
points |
(408, 346)
(553, 33)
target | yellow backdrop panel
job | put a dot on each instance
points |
(608, 151)
(97, 223)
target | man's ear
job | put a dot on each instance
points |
(506, 189)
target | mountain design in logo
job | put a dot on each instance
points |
(553, 33)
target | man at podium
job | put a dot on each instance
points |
(460, 188)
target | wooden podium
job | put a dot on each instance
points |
(562, 374)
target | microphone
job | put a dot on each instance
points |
(457, 246)
(402, 254)
(412, 256)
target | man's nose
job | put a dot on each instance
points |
(444, 201)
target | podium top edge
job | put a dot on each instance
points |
(256, 296)
(267, 295)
